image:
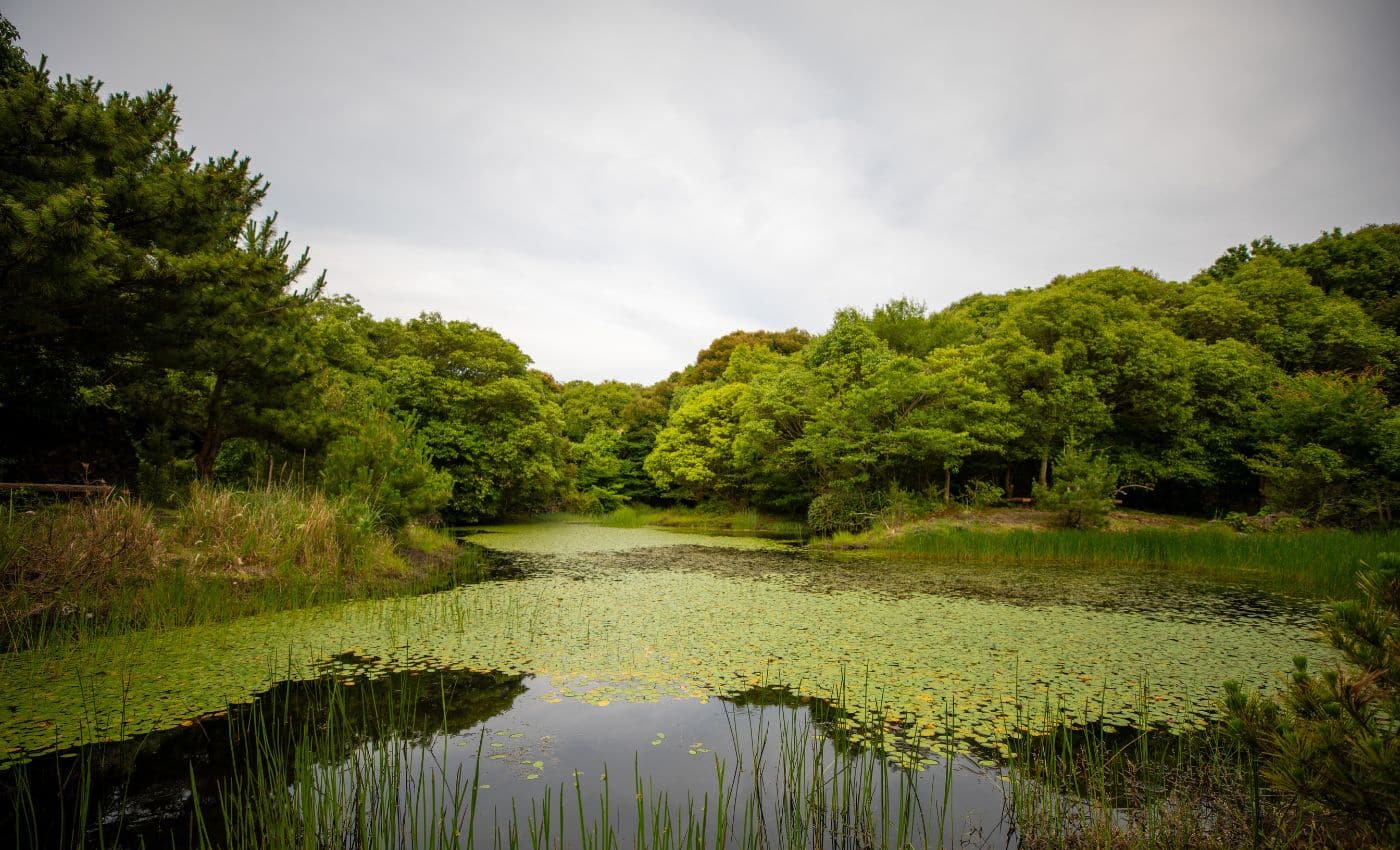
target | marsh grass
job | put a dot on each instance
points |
(61, 556)
(349, 770)
(1314, 562)
(703, 518)
(1098, 786)
(324, 764)
(81, 568)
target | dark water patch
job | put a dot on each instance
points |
(506, 741)
(154, 790)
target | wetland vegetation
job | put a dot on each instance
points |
(972, 576)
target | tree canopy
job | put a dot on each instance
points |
(157, 327)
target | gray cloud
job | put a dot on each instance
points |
(612, 185)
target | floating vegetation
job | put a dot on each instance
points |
(606, 632)
(575, 538)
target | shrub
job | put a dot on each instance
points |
(982, 494)
(384, 463)
(1083, 489)
(1333, 739)
(272, 531)
(843, 510)
(1263, 522)
(74, 555)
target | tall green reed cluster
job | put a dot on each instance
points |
(1322, 562)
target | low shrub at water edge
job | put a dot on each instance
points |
(278, 531)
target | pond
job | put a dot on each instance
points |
(703, 668)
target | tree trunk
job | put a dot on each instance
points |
(213, 433)
(208, 451)
(1010, 483)
(947, 485)
(1045, 467)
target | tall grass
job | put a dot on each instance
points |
(1322, 562)
(326, 765)
(61, 557)
(348, 774)
(84, 567)
(1092, 787)
(703, 518)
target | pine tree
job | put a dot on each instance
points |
(1333, 738)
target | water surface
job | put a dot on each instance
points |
(611, 632)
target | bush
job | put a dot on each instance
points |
(1083, 489)
(1262, 523)
(982, 494)
(843, 510)
(899, 506)
(273, 531)
(72, 556)
(384, 463)
(1333, 739)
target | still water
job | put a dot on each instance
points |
(707, 669)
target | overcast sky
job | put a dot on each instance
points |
(611, 185)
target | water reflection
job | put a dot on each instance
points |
(510, 740)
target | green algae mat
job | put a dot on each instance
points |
(612, 615)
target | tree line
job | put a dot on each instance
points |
(156, 328)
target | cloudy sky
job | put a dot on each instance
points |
(612, 184)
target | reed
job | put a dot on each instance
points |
(1318, 562)
(343, 769)
(703, 518)
(74, 570)
(1072, 786)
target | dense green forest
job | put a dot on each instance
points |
(157, 328)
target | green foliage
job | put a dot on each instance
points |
(1084, 486)
(612, 428)
(711, 362)
(1363, 264)
(384, 463)
(693, 457)
(600, 479)
(904, 326)
(1329, 450)
(141, 292)
(1301, 326)
(982, 494)
(1333, 738)
(487, 420)
(843, 510)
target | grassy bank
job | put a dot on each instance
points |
(1316, 562)
(703, 518)
(93, 566)
(1133, 790)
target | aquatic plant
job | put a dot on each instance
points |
(1316, 562)
(405, 762)
(684, 621)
